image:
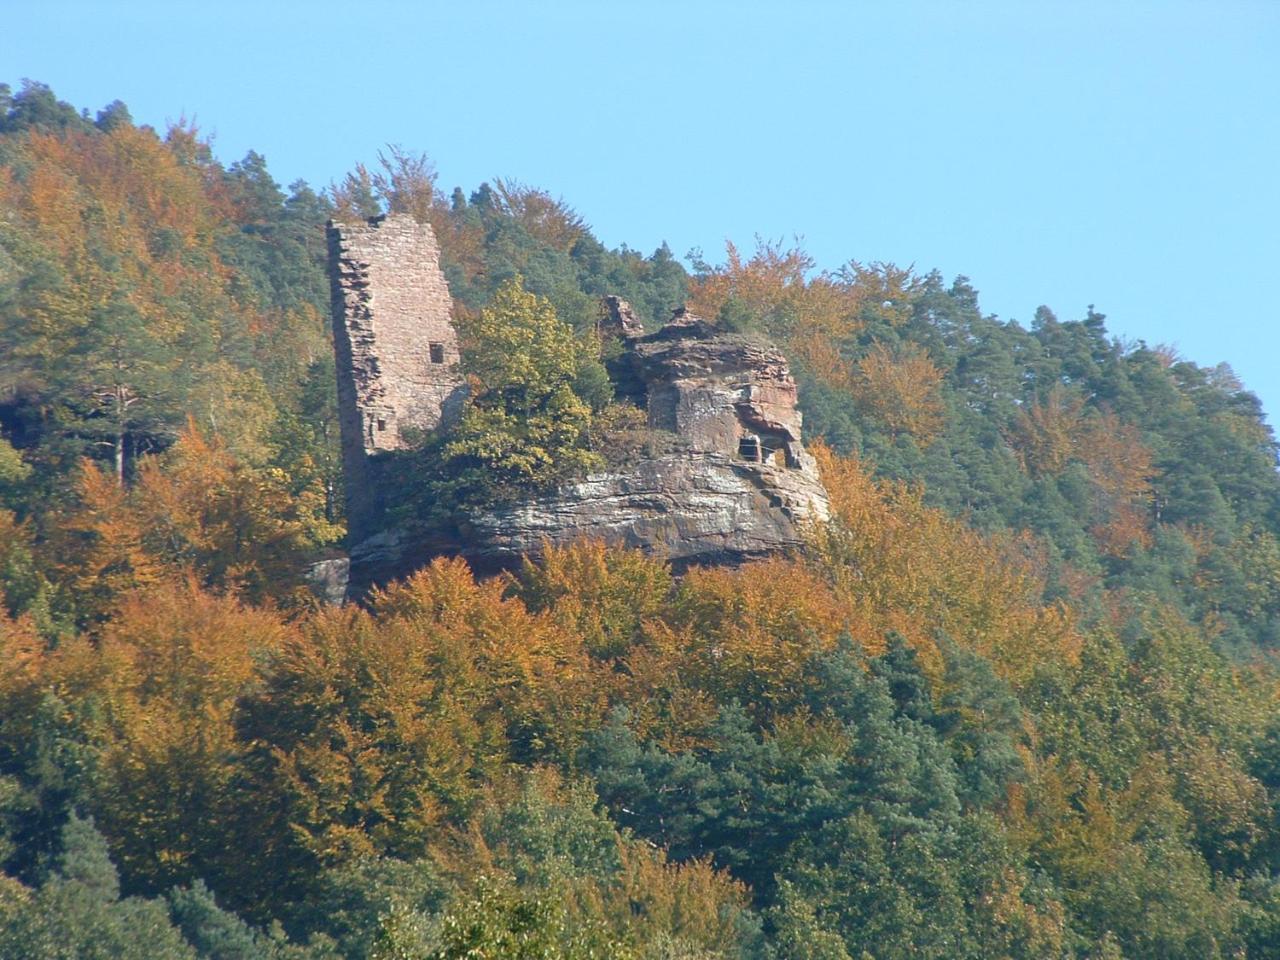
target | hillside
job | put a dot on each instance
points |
(1016, 699)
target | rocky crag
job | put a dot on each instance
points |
(735, 483)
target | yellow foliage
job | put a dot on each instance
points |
(194, 511)
(901, 566)
(902, 389)
(604, 594)
(184, 657)
(749, 634)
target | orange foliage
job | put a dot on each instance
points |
(194, 511)
(119, 194)
(902, 389)
(21, 657)
(191, 653)
(772, 282)
(131, 315)
(374, 728)
(99, 551)
(547, 219)
(905, 567)
(749, 634)
(154, 697)
(185, 656)
(1048, 436)
(406, 182)
(1121, 467)
(812, 318)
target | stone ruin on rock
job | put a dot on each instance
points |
(395, 346)
(734, 484)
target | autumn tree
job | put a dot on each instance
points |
(525, 425)
(909, 568)
(134, 299)
(372, 734)
(900, 388)
(195, 511)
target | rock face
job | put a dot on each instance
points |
(328, 579)
(720, 392)
(687, 508)
(691, 508)
(735, 483)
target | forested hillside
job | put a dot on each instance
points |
(1017, 699)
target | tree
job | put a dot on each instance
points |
(195, 511)
(901, 389)
(77, 912)
(524, 426)
(126, 370)
(605, 595)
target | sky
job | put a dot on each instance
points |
(1120, 154)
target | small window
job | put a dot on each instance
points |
(437, 353)
(382, 424)
(749, 449)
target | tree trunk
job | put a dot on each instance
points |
(122, 408)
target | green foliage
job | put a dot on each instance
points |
(217, 934)
(496, 923)
(14, 472)
(35, 107)
(351, 903)
(77, 911)
(525, 425)
(858, 816)
(536, 390)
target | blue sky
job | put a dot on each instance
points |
(1124, 154)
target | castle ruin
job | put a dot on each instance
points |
(395, 346)
(735, 483)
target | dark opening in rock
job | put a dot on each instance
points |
(437, 353)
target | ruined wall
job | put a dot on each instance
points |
(395, 345)
(737, 484)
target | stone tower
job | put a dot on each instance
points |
(395, 346)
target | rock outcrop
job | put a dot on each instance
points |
(733, 484)
(687, 508)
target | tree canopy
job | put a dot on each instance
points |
(1018, 698)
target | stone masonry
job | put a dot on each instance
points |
(720, 392)
(395, 346)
